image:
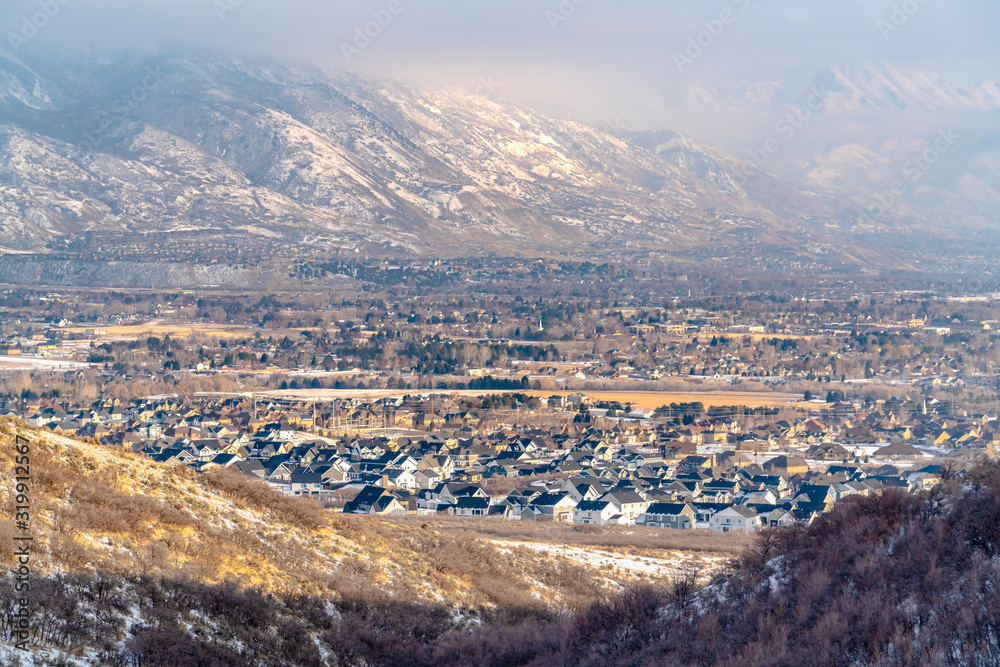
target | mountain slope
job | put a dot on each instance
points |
(163, 141)
(852, 128)
(849, 86)
(731, 175)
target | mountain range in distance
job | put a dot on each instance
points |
(188, 141)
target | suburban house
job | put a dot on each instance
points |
(305, 483)
(787, 466)
(375, 500)
(679, 516)
(736, 519)
(557, 506)
(629, 503)
(470, 506)
(898, 451)
(597, 512)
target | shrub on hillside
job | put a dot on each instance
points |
(236, 486)
(890, 579)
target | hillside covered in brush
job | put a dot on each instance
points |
(114, 528)
(149, 565)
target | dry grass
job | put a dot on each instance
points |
(97, 509)
(607, 537)
(336, 500)
(174, 331)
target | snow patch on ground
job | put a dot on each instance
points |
(675, 563)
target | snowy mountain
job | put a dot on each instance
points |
(851, 86)
(859, 129)
(162, 141)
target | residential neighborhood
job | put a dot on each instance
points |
(733, 474)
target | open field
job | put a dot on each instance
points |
(623, 538)
(661, 565)
(639, 399)
(39, 364)
(654, 399)
(629, 551)
(173, 330)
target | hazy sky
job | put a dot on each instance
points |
(583, 58)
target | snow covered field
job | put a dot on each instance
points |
(39, 363)
(673, 563)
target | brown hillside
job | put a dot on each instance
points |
(97, 509)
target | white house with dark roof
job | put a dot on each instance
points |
(596, 512)
(736, 519)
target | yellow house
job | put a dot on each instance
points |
(942, 438)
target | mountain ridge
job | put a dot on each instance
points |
(161, 140)
(203, 141)
(851, 127)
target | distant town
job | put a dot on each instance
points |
(469, 459)
(713, 412)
